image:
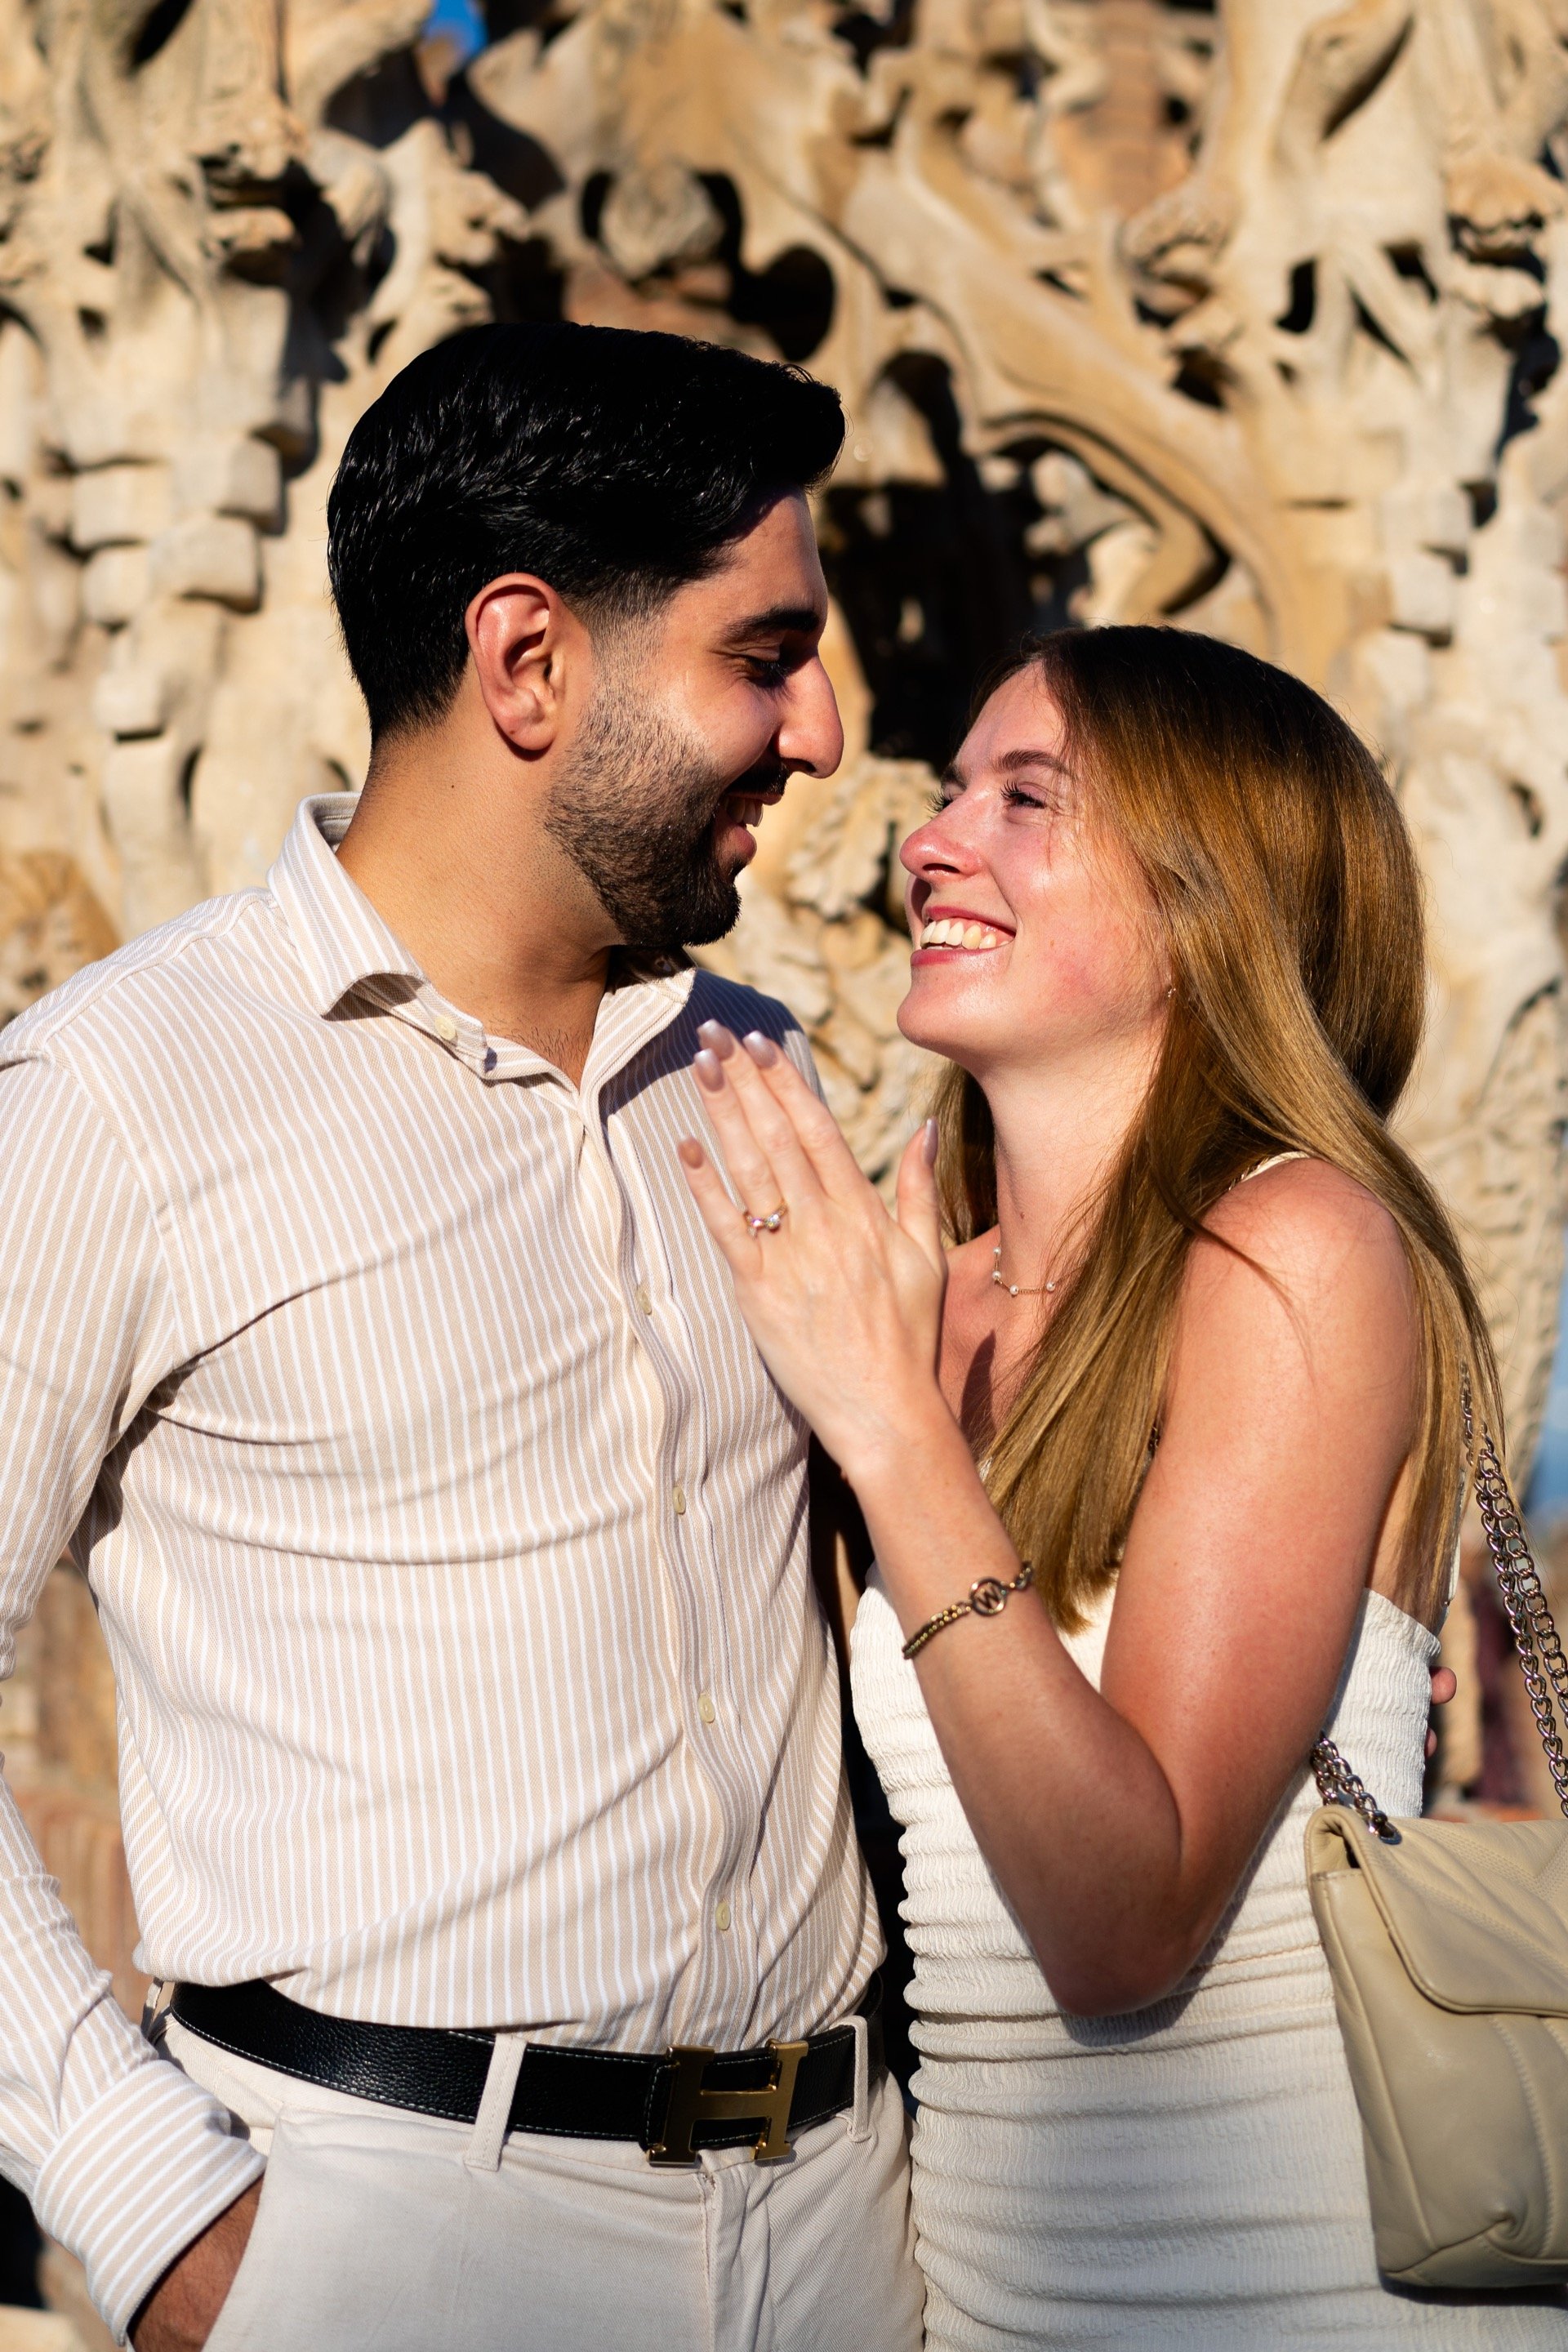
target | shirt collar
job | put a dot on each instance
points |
(340, 937)
(342, 941)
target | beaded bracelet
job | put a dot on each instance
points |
(987, 1598)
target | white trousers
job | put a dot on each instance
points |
(378, 2228)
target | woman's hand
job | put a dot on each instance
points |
(843, 1300)
(1445, 1683)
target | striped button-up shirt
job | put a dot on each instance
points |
(447, 1534)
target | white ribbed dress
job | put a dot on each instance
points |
(1190, 2175)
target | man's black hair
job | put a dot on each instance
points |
(612, 464)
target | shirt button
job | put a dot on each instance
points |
(445, 1028)
(722, 1918)
(678, 1499)
(643, 1300)
(705, 1709)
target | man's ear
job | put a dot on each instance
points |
(531, 654)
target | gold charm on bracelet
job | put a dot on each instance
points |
(988, 1596)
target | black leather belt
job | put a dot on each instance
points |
(672, 2103)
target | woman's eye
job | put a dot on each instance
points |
(1020, 796)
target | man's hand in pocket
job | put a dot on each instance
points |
(183, 2309)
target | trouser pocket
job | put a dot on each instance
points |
(355, 2244)
(228, 2331)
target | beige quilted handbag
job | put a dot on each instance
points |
(1447, 1943)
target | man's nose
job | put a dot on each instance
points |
(811, 736)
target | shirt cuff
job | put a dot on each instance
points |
(136, 2178)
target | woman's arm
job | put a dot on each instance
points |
(1118, 1822)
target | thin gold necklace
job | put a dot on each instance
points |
(1014, 1289)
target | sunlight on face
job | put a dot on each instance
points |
(733, 662)
(1035, 933)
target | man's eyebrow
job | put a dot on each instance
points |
(781, 620)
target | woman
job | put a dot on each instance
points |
(1197, 1359)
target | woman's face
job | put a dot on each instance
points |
(1034, 935)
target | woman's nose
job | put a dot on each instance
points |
(937, 847)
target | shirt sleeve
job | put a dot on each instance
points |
(125, 2159)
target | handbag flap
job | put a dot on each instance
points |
(1478, 1911)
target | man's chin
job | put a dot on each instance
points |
(707, 915)
(714, 920)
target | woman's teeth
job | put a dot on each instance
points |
(949, 934)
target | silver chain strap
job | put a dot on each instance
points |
(1338, 1785)
(1535, 1637)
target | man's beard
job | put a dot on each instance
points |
(635, 812)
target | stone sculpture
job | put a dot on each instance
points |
(1243, 316)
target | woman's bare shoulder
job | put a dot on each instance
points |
(1310, 1226)
(1296, 1349)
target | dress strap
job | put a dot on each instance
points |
(1275, 1161)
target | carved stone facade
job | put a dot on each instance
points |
(1242, 315)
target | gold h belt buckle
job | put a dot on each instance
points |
(690, 2104)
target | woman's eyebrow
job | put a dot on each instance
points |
(1009, 761)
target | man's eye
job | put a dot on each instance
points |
(767, 672)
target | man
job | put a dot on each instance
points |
(479, 1731)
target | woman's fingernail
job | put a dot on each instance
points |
(763, 1050)
(717, 1039)
(708, 1072)
(691, 1151)
(930, 1139)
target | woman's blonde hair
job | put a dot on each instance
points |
(1287, 888)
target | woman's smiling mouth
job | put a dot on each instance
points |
(967, 934)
